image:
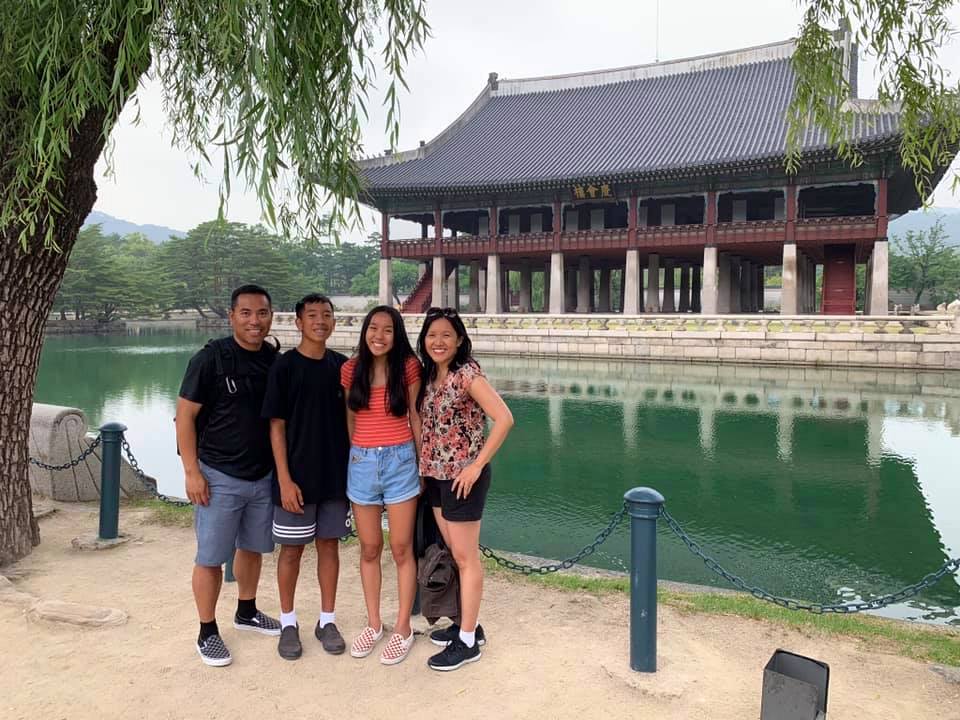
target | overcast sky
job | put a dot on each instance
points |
(153, 182)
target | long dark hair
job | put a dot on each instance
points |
(463, 355)
(359, 396)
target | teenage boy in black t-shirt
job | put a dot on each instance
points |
(308, 433)
(225, 448)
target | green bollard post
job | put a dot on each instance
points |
(644, 505)
(228, 575)
(111, 436)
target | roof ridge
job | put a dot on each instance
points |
(728, 58)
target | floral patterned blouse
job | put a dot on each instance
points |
(453, 424)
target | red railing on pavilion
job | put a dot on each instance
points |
(808, 231)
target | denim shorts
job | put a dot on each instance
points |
(239, 515)
(383, 475)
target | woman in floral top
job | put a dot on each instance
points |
(454, 401)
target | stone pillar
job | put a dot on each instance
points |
(546, 288)
(583, 285)
(526, 287)
(453, 287)
(879, 278)
(669, 296)
(723, 283)
(734, 284)
(868, 290)
(474, 286)
(494, 298)
(603, 302)
(653, 284)
(696, 300)
(386, 282)
(708, 295)
(556, 303)
(788, 289)
(421, 269)
(439, 295)
(632, 280)
(684, 288)
(482, 276)
(746, 286)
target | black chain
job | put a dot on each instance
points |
(70, 463)
(564, 564)
(948, 568)
(142, 477)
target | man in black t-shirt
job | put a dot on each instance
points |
(228, 466)
(308, 431)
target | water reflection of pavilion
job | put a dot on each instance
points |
(788, 460)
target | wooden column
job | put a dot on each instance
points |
(881, 208)
(711, 218)
(790, 210)
(437, 231)
(384, 234)
(557, 224)
(632, 220)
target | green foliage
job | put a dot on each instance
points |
(279, 86)
(904, 38)
(110, 276)
(922, 261)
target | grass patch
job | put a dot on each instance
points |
(164, 514)
(925, 643)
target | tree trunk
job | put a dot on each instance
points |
(29, 281)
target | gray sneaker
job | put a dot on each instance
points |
(213, 652)
(330, 638)
(289, 646)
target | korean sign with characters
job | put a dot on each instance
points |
(594, 191)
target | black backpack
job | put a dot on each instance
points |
(227, 382)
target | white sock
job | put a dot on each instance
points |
(287, 619)
(327, 617)
(468, 637)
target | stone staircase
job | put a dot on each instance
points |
(419, 300)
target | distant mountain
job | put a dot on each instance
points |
(925, 219)
(115, 226)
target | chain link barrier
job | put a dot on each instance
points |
(589, 549)
(948, 568)
(142, 477)
(70, 463)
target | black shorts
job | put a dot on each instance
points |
(441, 495)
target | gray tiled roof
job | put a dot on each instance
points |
(725, 114)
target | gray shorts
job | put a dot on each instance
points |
(321, 521)
(239, 515)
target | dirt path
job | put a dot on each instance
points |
(551, 654)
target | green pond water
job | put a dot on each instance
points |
(817, 484)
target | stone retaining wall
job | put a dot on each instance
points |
(915, 342)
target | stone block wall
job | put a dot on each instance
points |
(915, 342)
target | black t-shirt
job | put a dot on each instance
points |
(308, 395)
(234, 438)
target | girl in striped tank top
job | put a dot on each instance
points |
(381, 384)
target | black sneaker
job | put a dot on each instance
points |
(442, 638)
(289, 646)
(454, 655)
(260, 623)
(213, 652)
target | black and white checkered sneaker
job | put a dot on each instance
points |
(213, 652)
(263, 624)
